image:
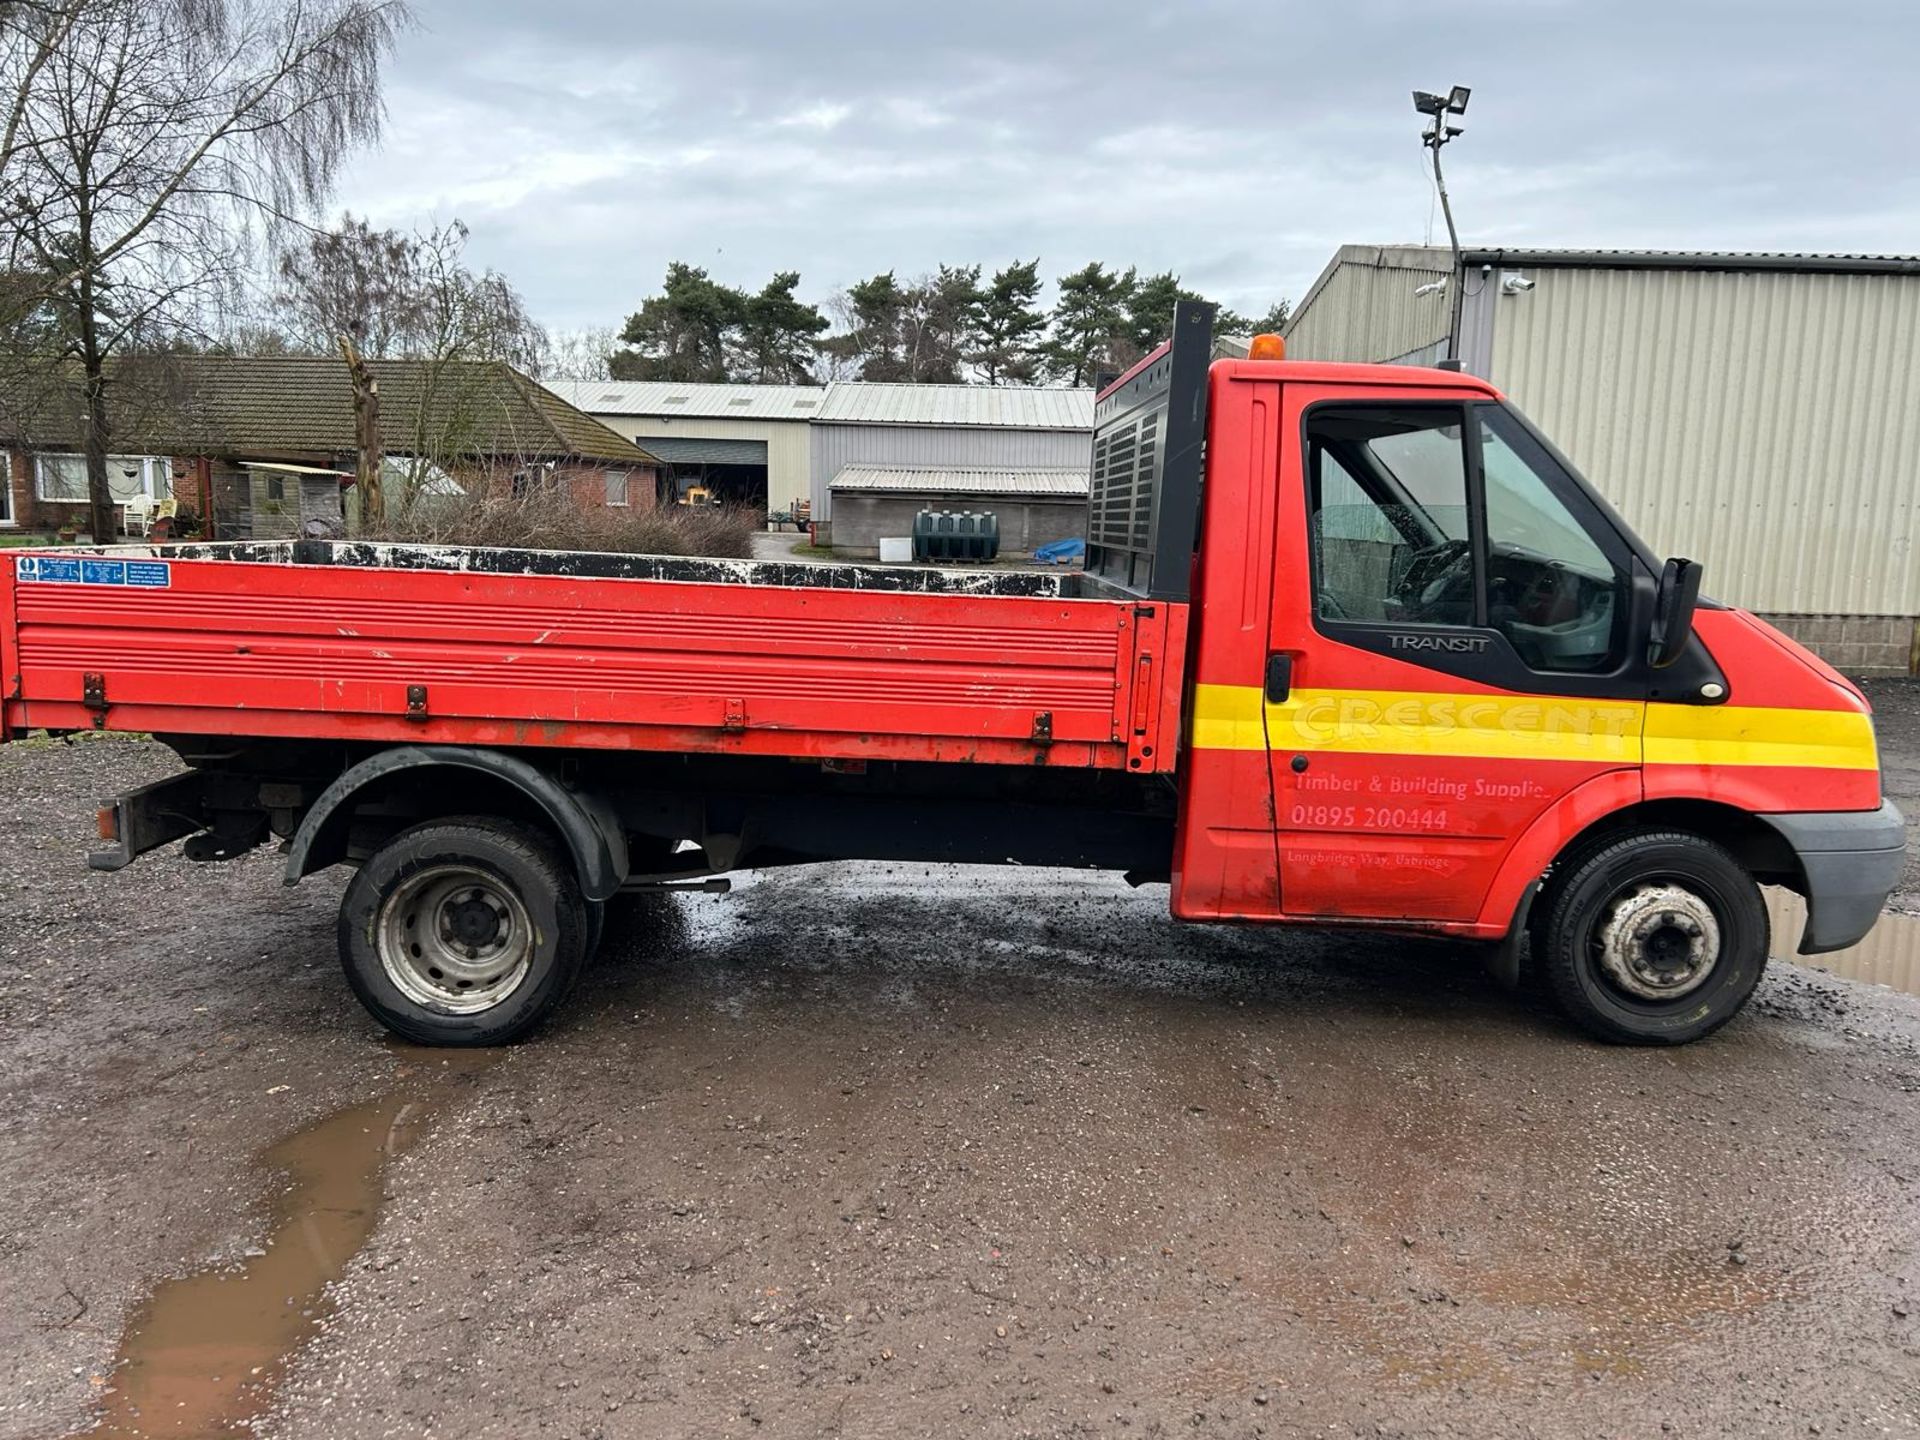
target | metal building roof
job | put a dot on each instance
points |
(709, 402)
(1060, 484)
(979, 406)
(1802, 263)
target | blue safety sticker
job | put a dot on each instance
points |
(78, 570)
(48, 567)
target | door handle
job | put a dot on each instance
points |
(1279, 677)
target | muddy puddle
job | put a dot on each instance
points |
(202, 1356)
(1890, 955)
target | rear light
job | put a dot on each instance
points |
(107, 818)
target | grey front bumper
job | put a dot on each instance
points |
(1852, 860)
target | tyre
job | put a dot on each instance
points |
(465, 931)
(1652, 938)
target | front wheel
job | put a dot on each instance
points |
(1653, 938)
(463, 932)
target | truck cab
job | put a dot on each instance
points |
(1438, 683)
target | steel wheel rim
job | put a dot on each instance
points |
(455, 938)
(1657, 941)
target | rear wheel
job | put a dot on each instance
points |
(463, 932)
(1653, 938)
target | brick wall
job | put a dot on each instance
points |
(30, 513)
(587, 484)
(20, 489)
(1858, 644)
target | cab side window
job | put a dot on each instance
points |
(1389, 534)
(1455, 516)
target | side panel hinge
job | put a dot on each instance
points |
(416, 702)
(93, 694)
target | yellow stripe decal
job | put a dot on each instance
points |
(1514, 727)
(1760, 735)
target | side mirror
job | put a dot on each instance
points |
(1673, 607)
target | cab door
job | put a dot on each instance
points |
(1451, 648)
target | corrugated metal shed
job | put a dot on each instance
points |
(1364, 307)
(940, 447)
(973, 406)
(669, 398)
(1766, 421)
(1064, 484)
(1760, 411)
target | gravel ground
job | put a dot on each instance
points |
(872, 1150)
(1896, 721)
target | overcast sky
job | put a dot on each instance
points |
(589, 142)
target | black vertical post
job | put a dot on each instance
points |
(1149, 432)
(1176, 529)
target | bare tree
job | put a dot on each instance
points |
(150, 140)
(468, 314)
(579, 354)
(351, 281)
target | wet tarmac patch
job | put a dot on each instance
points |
(202, 1356)
(1890, 955)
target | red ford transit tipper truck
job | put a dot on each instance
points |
(1353, 645)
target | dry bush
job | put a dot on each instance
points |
(551, 521)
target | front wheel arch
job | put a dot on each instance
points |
(1610, 804)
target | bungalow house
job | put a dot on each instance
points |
(258, 447)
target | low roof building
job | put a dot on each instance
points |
(1034, 507)
(258, 445)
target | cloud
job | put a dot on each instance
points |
(587, 143)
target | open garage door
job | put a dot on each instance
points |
(734, 470)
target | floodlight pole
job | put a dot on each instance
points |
(1438, 135)
(1453, 240)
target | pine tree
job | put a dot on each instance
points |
(1089, 326)
(681, 333)
(779, 336)
(1011, 327)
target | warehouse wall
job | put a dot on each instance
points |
(786, 442)
(1362, 308)
(947, 446)
(862, 518)
(1767, 423)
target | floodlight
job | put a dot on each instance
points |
(1457, 99)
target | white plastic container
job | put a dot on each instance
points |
(896, 550)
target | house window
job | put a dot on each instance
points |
(616, 487)
(62, 478)
(277, 489)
